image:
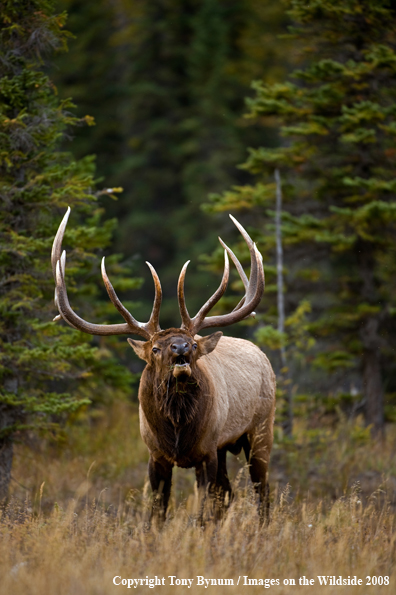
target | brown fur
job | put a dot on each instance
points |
(227, 403)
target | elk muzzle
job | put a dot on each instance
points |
(181, 352)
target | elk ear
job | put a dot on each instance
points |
(208, 344)
(140, 348)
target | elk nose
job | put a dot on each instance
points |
(179, 348)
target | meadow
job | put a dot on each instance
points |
(77, 516)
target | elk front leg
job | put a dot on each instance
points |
(160, 475)
(206, 474)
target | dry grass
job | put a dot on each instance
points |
(72, 537)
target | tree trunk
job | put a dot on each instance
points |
(287, 423)
(6, 452)
(372, 378)
(8, 416)
(373, 392)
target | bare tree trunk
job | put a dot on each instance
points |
(288, 413)
(7, 419)
(373, 392)
(6, 452)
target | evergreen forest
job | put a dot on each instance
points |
(153, 121)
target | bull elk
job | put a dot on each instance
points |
(199, 397)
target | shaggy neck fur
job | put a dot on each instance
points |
(178, 398)
(176, 409)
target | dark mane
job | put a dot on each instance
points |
(177, 410)
(178, 398)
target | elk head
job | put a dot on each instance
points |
(172, 374)
(178, 348)
(174, 351)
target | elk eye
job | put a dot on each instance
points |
(155, 350)
(194, 346)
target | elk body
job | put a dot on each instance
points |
(199, 397)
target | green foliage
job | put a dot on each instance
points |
(337, 161)
(296, 337)
(270, 337)
(46, 369)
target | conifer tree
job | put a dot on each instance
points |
(337, 122)
(47, 370)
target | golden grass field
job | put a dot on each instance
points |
(77, 516)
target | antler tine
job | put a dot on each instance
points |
(79, 323)
(243, 312)
(251, 284)
(186, 319)
(61, 265)
(127, 316)
(250, 287)
(241, 272)
(237, 264)
(255, 264)
(153, 322)
(212, 301)
(57, 248)
(58, 262)
(254, 287)
(243, 231)
(57, 243)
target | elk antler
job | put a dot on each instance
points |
(254, 289)
(58, 261)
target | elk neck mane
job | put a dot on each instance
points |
(178, 398)
(177, 410)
